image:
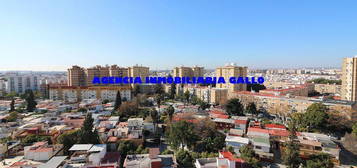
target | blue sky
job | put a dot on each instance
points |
(52, 35)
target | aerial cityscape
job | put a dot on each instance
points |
(178, 84)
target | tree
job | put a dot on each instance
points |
(128, 109)
(255, 87)
(125, 147)
(234, 107)
(12, 105)
(82, 109)
(325, 81)
(203, 105)
(354, 129)
(159, 89)
(170, 112)
(154, 115)
(316, 116)
(248, 155)
(68, 139)
(319, 160)
(252, 108)
(12, 116)
(211, 140)
(291, 153)
(158, 99)
(11, 95)
(29, 139)
(181, 134)
(87, 135)
(136, 90)
(187, 96)
(173, 90)
(30, 100)
(184, 159)
(105, 101)
(117, 103)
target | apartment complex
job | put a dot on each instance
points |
(349, 79)
(79, 76)
(182, 71)
(19, 83)
(138, 71)
(231, 71)
(328, 88)
(77, 93)
(283, 105)
(76, 76)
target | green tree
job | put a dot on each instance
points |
(203, 105)
(173, 90)
(170, 112)
(136, 90)
(125, 148)
(319, 160)
(187, 96)
(354, 129)
(181, 134)
(248, 155)
(184, 159)
(12, 105)
(252, 108)
(234, 107)
(105, 101)
(29, 139)
(128, 109)
(68, 139)
(159, 89)
(11, 95)
(158, 98)
(155, 116)
(82, 109)
(87, 135)
(316, 116)
(30, 100)
(12, 116)
(291, 153)
(117, 103)
(255, 87)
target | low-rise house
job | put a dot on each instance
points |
(151, 160)
(241, 124)
(236, 142)
(88, 153)
(261, 144)
(41, 151)
(206, 163)
(135, 128)
(314, 143)
(224, 123)
(228, 160)
(54, 162)
(236, 132)
(75, 121)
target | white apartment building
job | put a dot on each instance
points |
(19, 83)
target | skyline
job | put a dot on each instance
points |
(48, 36)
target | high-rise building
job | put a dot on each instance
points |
(188, 71)
(231, 71)
(19, 83)
(76, 76)
(97, 71)
(115, 70)
(349, 79)
(138, 71)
